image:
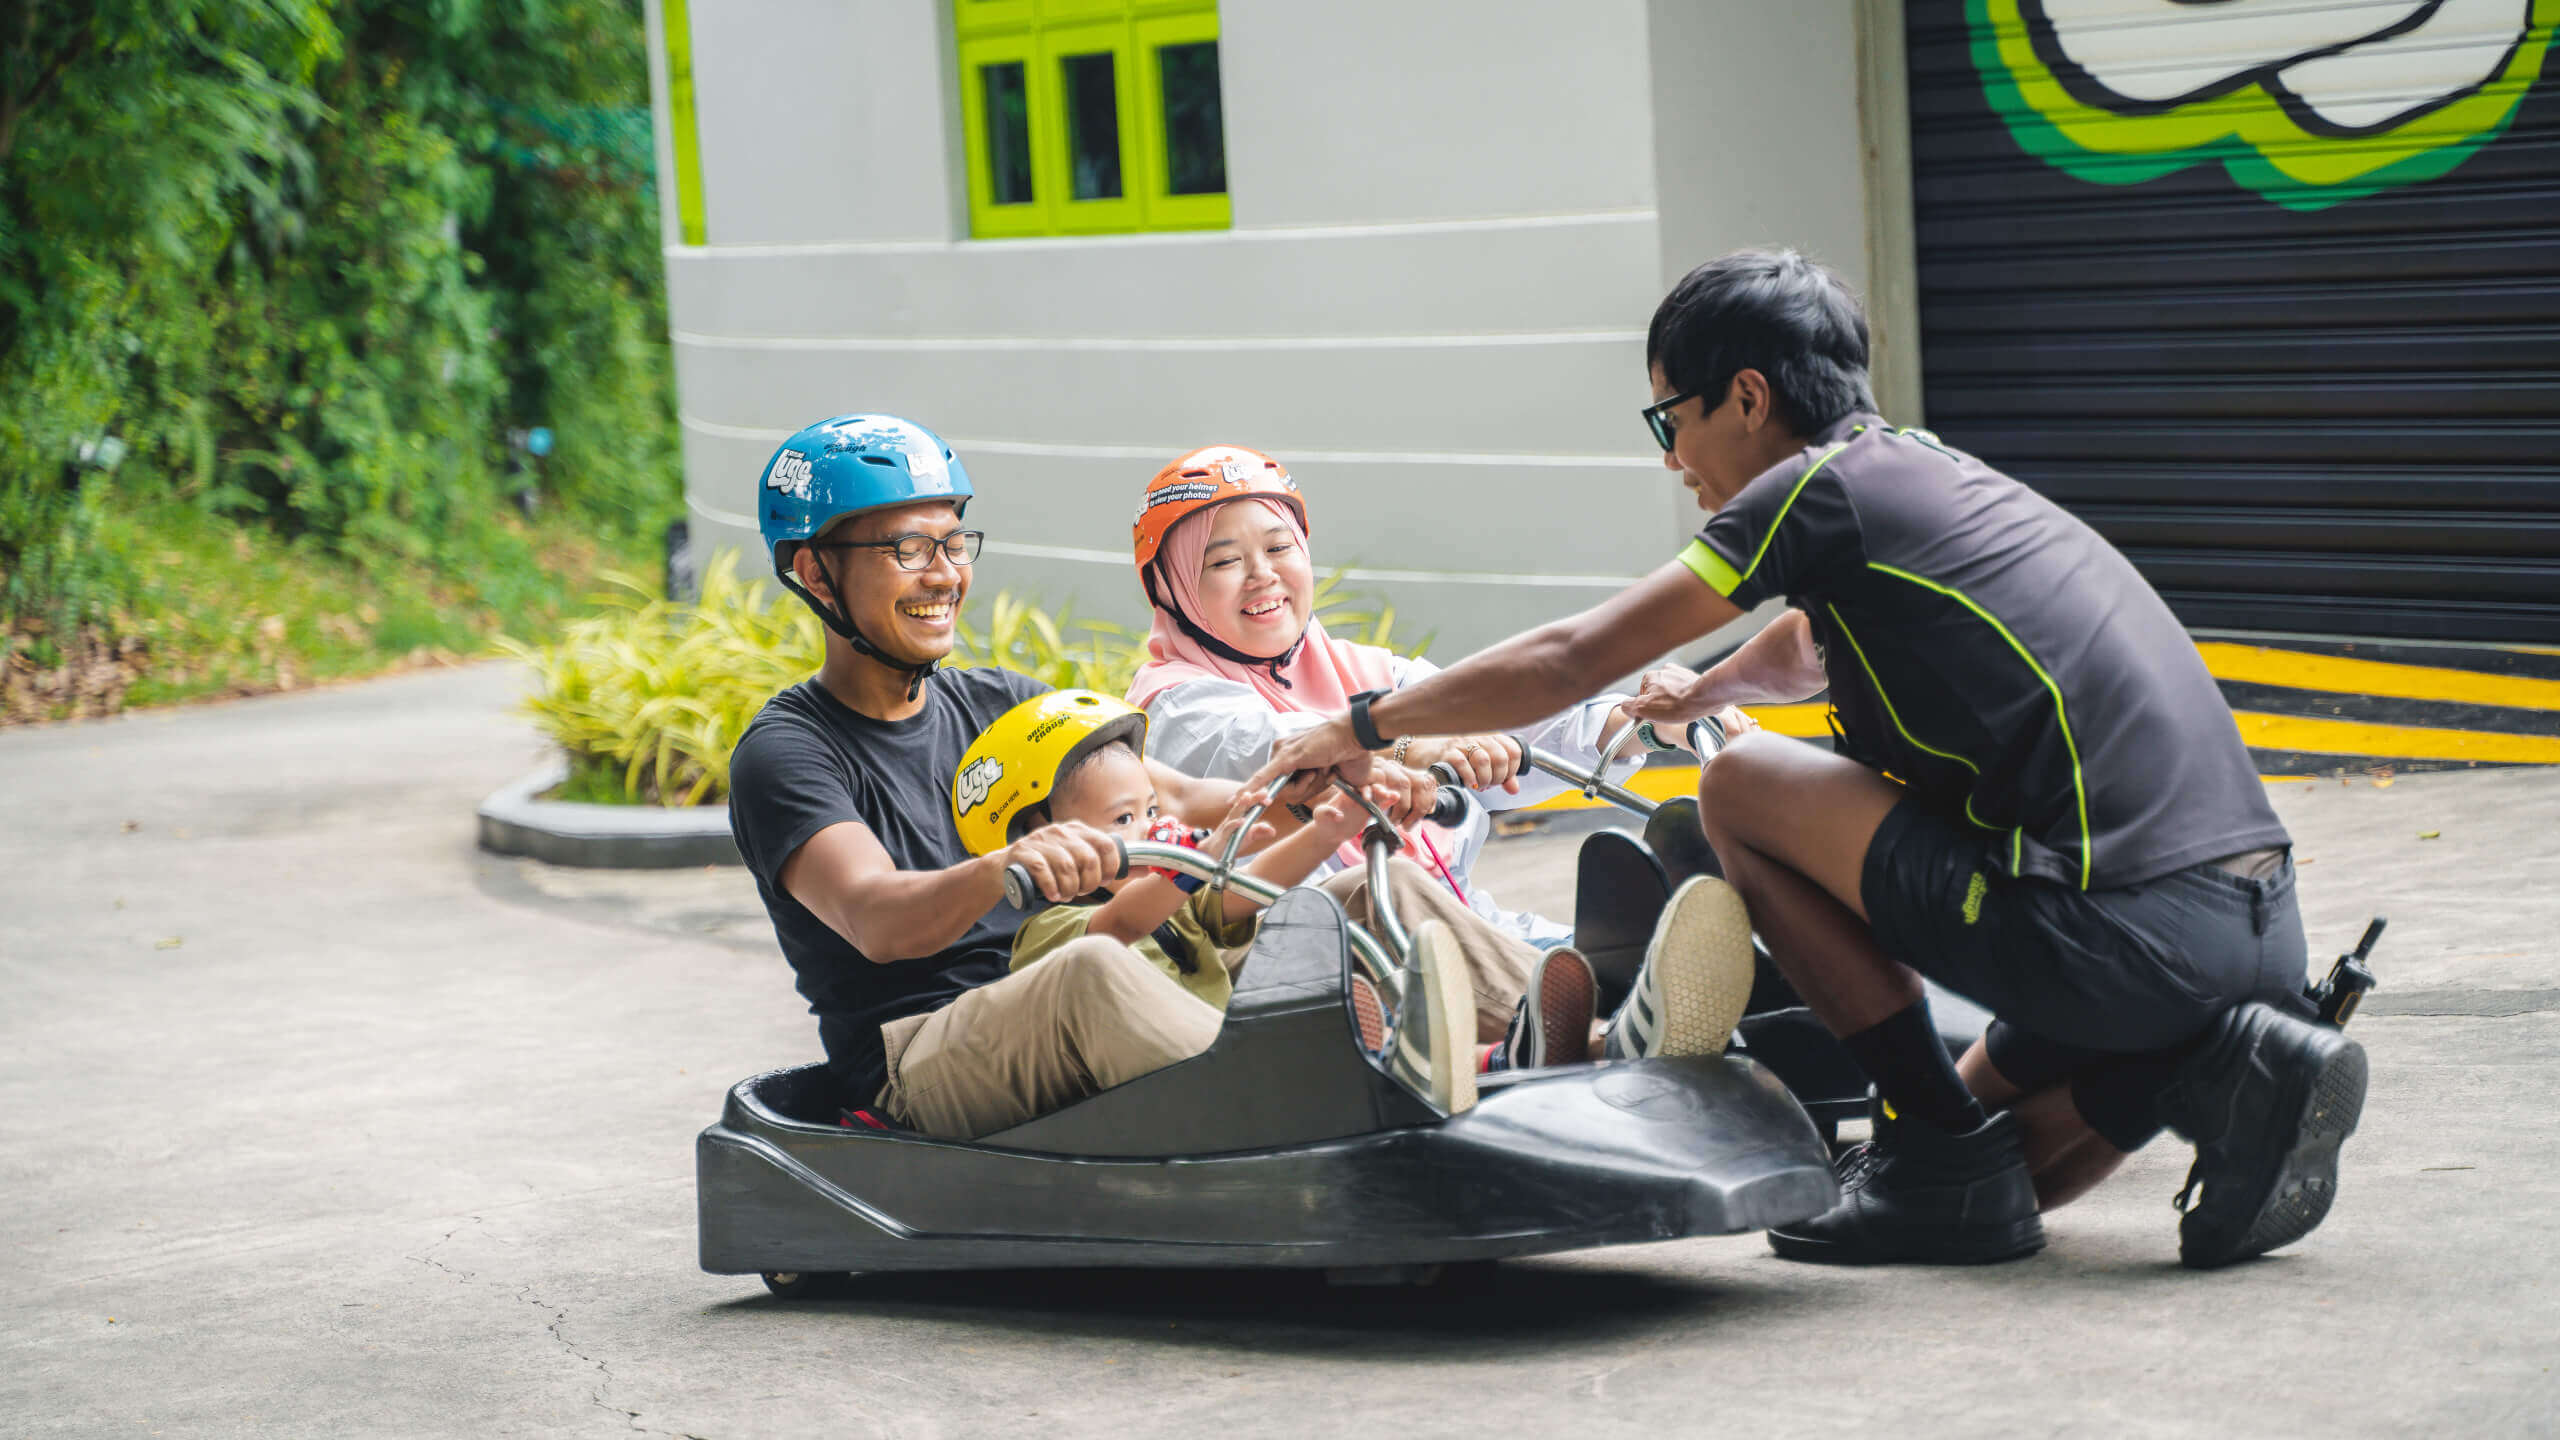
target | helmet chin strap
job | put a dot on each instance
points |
(841, 622)
(1221, 648)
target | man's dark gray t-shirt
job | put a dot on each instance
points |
(1997, 655)
(808, 762)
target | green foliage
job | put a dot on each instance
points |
(311, 260)
(654, 694)
(647, 697)
(1068, 652)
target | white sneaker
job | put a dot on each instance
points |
(1696, 977)
(1436, 1025)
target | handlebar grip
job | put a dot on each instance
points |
(1020, 892)
(1444, 772)
(1450, 808)
(1706, 737)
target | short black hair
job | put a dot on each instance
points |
(1773, 311)
(1032, 817)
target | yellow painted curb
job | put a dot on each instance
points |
(2258, 665)
(2393, 742)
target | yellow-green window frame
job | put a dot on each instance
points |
(987, 218)
(1041, 35)
(1166, 210)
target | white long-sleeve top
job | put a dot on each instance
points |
(1224, 730)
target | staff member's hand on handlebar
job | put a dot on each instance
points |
(1326, 750)
(1065, 860)
(1672, 694)
(1481, 762)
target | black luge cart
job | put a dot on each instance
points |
(1286, 1144)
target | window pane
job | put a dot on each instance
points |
(1093, 126)
(1195, 133)
(1008, 133)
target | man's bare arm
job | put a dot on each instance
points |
(846, 879)
(1777, 666)
(1536, 674)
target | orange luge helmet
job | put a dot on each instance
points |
(1206, 477)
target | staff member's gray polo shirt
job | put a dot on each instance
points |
(1996, 655)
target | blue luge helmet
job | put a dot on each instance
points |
(848, 465)
(842, 467)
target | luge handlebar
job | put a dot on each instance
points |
(1020, 890)
(1382, 969)
(1706, 738)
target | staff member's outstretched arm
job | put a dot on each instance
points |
(1777, 665)
(1525, 678)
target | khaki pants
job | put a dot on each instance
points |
(1087, 1016)
(1094, 1013)
(1497, 964)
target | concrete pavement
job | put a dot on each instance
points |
(321, 1122)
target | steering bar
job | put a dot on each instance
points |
(1381, 968)
(1706, 738)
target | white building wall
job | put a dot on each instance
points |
(1431, 304)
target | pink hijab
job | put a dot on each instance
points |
(1323, 673)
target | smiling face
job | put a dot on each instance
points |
(1110, 792)
(1257, 586)
(1698, 454)
(912, 614)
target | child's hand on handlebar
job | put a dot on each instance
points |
(1340, 817)
(1260, 835)
(1065, 860)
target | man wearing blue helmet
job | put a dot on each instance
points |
(900, 939)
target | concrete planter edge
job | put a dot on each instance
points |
(601, 837)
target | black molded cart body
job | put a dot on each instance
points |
(1284, 1144)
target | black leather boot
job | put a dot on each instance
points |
(2267, 1101)
(1918, 1195)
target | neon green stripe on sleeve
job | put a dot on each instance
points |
(1707, 565)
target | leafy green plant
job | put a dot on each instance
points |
(1069, 652)
(655, 693)
(1345, 617)
(647, 696)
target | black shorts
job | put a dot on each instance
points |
(2099, 987)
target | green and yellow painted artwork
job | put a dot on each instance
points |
(2305, 105)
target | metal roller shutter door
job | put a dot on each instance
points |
(2267, 291)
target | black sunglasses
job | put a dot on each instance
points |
(1657, 418)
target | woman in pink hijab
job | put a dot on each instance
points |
(1237, 660)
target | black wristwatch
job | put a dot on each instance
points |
(1363, 729)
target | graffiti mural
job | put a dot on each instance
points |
(2306, 105)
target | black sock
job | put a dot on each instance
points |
(1903, 1055)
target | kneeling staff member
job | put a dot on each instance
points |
(2077, 840)
(840, 798)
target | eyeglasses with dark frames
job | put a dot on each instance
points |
(915, 551)
(1657, 418)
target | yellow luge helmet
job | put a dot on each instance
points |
(1015, 763)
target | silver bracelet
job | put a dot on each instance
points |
(1396, 751)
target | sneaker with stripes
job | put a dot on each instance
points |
(1553, 1024)
(1696, 977)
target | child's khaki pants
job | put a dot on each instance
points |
(1094, 1013)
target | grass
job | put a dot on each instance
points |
(210, 609)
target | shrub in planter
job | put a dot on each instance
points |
(648, 696)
